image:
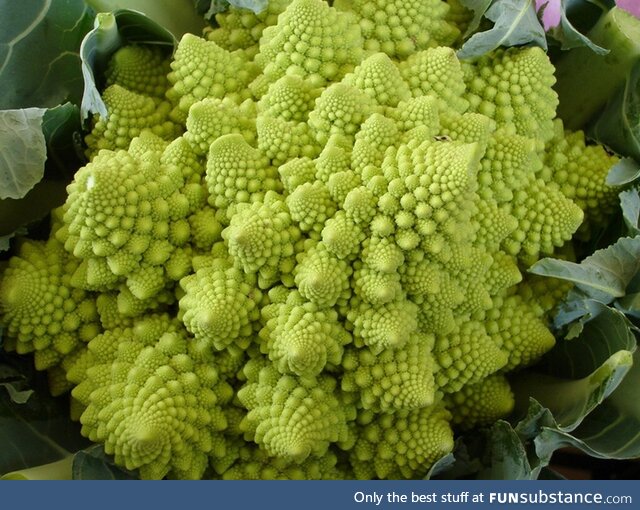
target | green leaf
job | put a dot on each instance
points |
(610, 431)
(549, 474)
(613, 429)
(569, 398)
(507, 455)
(629, 304)
(618, 126)
(623, 172)
(603, 275)
(36, 432)
(46, 195)
(466, 463)
(63, 132)
(586, 13)
(515, 23)
(441, 466)
(256, 6)
(17, 396)
(577, 375)
(479, 8)
(15, 384)
(580, 105)
(574, 312)
(630, 205)
(606, 333)
(496, 453)
(112, 31)
(39, 58)
(35, 143)
(570, 37)
(177, 16)
(22, 151)
(209, 8)
(58, 470)
(5, 244)
(93, 464)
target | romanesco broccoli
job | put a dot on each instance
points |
(298, 248)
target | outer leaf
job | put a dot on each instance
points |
(623, 172)
(45, 145)
(611, 431)
(630, 303)
(508, 457)
(549, 474)
(515, 23)
(51, 74)
(209, 8)
(15, 383)
(5, 244)
(571, 400)
(494, 453)
(618, 126)
(36, 432)
(585, 13)
(93, 464)
(537, 420)
(62, 130)
(576, 310)
(619, 32)
(630, 205)
(479, 8)
(22, 151)
(583, 398)
(256, 6)
(441, 466)
(467, 463)
(45, 195)
(112, 31)
(576, 376)
(569, 36)
(17, 396)
(603, 275)
(58, 470)
(606, 333)
(177, 16)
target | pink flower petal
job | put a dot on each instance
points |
(631, 6)
(552, 12)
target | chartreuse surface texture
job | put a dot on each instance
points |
(297, 250)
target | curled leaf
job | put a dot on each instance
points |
(111, 31)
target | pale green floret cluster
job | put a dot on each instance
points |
(42, 312)
(154, 399)
(400, 29)
(303, 257)
(130, 114)
(241, 29)
(140, 69)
